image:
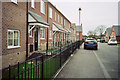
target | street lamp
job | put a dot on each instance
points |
(79, 21)
(79, 15)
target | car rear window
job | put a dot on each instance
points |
(113, 40)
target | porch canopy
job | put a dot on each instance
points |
(36, 20)
(68, 31)
(58, 28)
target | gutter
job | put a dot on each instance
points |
(27, 29)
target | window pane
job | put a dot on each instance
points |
(10, 35)
(16, 34)
(10, 41)
(15, 42)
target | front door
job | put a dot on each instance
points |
(36, 39)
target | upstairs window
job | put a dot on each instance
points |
(58, 18)
(61, 20)
(15, 1)
(64, 22)
(50, 13)
(13, 38)
(32, 3)
(55, 16)
(42, 7)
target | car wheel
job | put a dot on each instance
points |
(84, 47)
(96, 48)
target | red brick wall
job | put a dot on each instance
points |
(14, 18)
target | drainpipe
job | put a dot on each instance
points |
(47, 31)
(27, 29)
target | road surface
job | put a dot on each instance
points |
(101, 63)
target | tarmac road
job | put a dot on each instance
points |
(101, 63)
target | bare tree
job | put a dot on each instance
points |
(100, 29)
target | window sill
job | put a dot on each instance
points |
(13, 47)
(42, 13)
(50, 38)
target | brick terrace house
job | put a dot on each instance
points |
(79, 32)
(74, 33)
(14, 31)
(115, 33)
(58, 22)
(107, 34)
(37, 29)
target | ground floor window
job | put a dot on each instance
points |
(42, 33)
(13, 38)
(50, 34)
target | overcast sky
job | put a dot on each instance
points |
(93, 14)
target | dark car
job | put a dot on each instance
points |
(91, 43)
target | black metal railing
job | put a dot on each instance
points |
(43, 67)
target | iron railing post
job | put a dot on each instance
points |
(18, 70)
(60, 57)
(9, 72)
(42, 68)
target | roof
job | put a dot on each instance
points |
(38, 18)
(59, 11)
(58, 26)
(109, 30)
(116, 29)
(72, 27)
(78, 28)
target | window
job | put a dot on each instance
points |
(55, 16)
(64, 36)
(50, 34)
(32, 4)
(61, 20)
(58, 18)
(30, 35)
(42, 33)
(13, 38)
(64, 22)
(77, 33)
(15, 1)
(42, 7)
(50, 12)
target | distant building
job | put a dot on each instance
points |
(79, 32)
(107, 34)
(115, 33)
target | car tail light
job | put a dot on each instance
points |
(85, 42)
(95, 43)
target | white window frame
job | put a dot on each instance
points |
(64, 22)
(42, 33)
(33, 3)
(14, 1)
(61, 20)
(50, 34)
(58, 19)
(50, 12)
(42, 7)
(9, 47)
(55, 16)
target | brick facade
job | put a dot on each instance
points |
(13, 18)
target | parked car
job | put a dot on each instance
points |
(102, 40)
(98, 40)
(90, 43)
(112, 41)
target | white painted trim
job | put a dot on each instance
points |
(14, 1)
(33, 3)
(9, 47)
(40, 25)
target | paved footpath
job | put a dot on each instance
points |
(83, 64)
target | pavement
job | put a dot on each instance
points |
(101, 63)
